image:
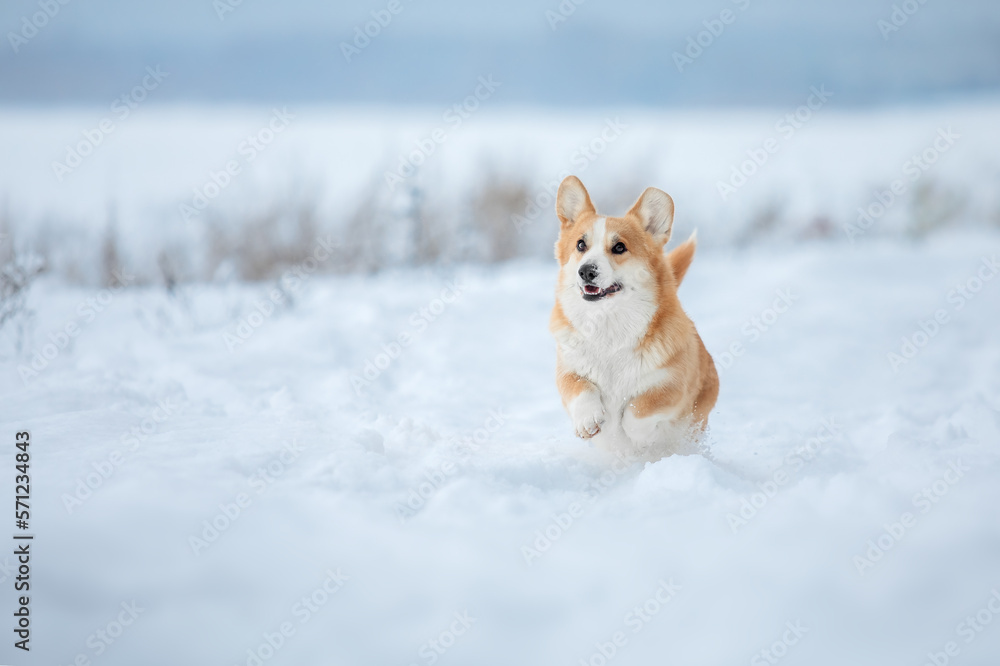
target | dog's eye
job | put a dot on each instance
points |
(619, 248)
(581, 245)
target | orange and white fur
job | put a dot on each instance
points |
(633, 373)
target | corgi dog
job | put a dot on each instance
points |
(631, 369)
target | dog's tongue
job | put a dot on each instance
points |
(591, 289)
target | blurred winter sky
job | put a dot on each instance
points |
(604, 53)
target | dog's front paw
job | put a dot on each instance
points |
(587, 413)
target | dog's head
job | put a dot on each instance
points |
(604, 258)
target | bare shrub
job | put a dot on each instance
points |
(363, 238)
(168, 271)
(262, 245)
(430, 233)
(493, 206)
(17, 271)
(934, 206)
(819, 227)
(764, 223)
(111, 260)
(392, 228)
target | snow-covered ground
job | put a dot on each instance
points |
(235, 475)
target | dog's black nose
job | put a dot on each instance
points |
(588, 272)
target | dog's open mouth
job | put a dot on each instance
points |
(593, 292)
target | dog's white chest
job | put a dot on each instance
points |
(617, 373)
(607, 354)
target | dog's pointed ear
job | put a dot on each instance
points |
(655, 209)
(572, 201)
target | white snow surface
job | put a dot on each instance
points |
(820, 369)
